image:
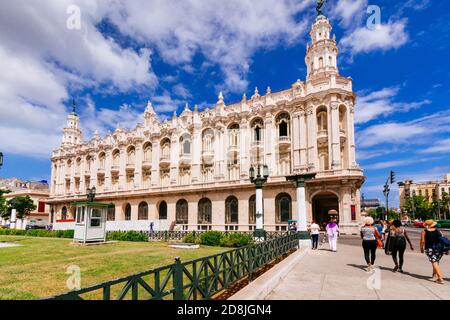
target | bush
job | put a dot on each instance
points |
(190, 238)
(211, 238)
(132, 236)
(235, 240)
(67, 234)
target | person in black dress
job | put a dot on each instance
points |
(430, 236)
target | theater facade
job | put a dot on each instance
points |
(191, 172)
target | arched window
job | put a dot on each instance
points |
(116, 158)
(111, 214)
(185, 143)
(321, 62)
(182, 212)
(163, 210)
(64, 213)
(165, 148)
(232, 210)
(322, 119)
(252, 210)
(131, 155)
(143, 211)
(282, 122)
(101, 160)
(342, 118)
(204, 211)
(283, 207)
(233, 135)
(147, 151)
(257, 127)
(128, 212)
(208, 140)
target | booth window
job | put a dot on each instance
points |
(80, 215)
(96, 218)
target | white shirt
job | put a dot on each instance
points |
(314, 228)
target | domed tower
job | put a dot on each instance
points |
(321, 54)
(72, 134)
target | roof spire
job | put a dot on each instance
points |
(74, 106)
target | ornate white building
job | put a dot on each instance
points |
(192, 172)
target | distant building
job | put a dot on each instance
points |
(431, 190)
(37, 191)
(15, 184)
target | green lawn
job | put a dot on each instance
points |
(37, 269)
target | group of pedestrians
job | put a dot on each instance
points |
(332, 234)
(395, 242)
(393, 238)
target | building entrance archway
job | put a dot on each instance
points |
(322, 203)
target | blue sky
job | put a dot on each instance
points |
(178, 52)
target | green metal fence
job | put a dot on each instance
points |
(198, 279)
(179, 235)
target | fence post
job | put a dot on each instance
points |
(178, 280)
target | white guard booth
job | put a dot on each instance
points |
(90, 222)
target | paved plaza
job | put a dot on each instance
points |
(321, 275)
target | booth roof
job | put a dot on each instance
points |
(97, 204)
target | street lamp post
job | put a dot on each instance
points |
(90, 194)
(259, 179)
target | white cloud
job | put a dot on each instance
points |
(396, 163)
(181, 91)
(391, 35)
(380, 103)
(226, 33)
(418, 131)
(41, 58)
(439, 147)
(349, 11)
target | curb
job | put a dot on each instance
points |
(261, 287)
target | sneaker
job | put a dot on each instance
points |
(369, 267)
(440, 281)
(400, 270)
(395, 269)
(433, 279)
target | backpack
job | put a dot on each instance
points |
(442, 244)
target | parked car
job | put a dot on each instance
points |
(36, 224)
(418, 224)
(443, 223)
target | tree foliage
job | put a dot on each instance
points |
(24, 205)
(4, 208)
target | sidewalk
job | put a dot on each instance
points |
(325, 275)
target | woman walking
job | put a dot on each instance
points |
(399, 237)
(332, 234)
(429, 239)
(369, 235)
(314, 230)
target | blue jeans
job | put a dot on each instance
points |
(314, 240)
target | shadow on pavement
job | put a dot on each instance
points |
(417, 276)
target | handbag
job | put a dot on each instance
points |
(379, 243)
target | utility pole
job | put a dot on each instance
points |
(390, 180)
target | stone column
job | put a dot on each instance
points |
(108, 165)
(300, 183)
(295, 141)
(13, 219)
(335, 151)
(351, 137)
(196, 153)
(244, 146)
(174, 160)
(312, 140)
(156, 150)
(122, 168)
(303, 141)
(138, 166)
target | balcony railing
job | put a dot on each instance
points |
(146, 165)
(185, 159)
